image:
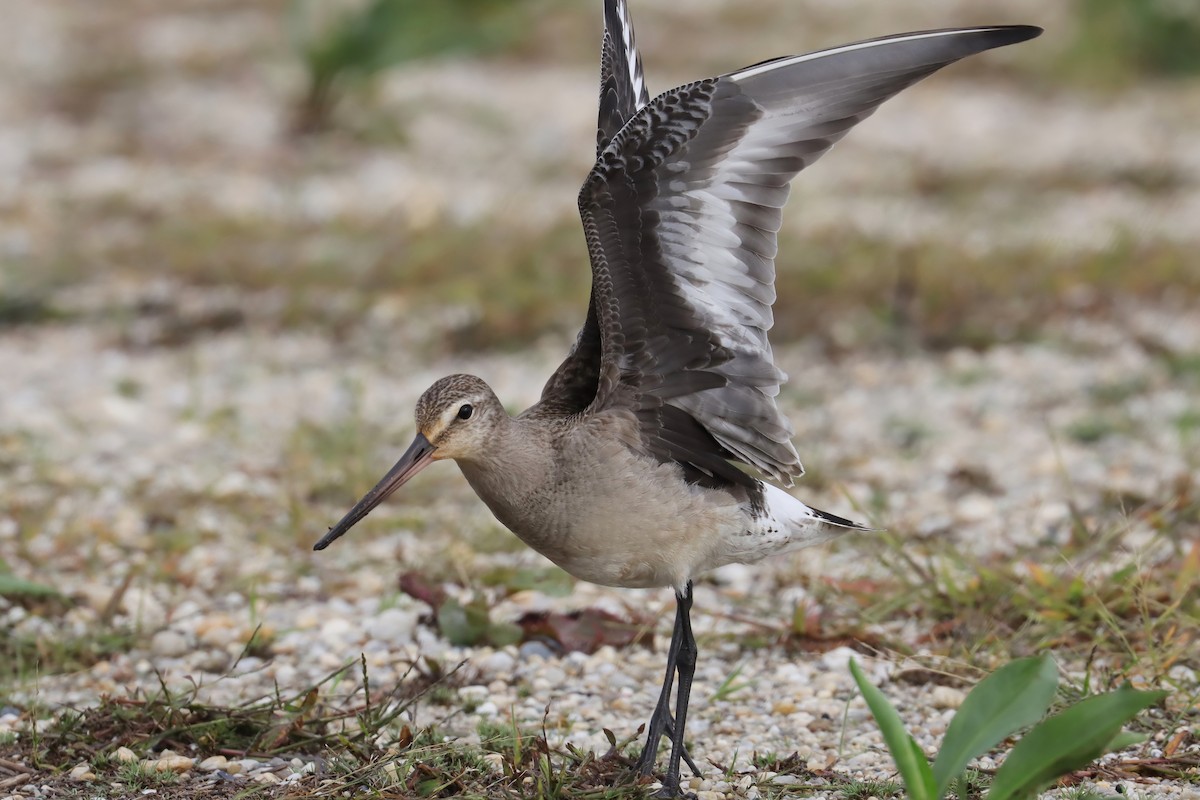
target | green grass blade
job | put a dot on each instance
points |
(910, 761)
(12, 586)
(1015, 696)
(1068, 741)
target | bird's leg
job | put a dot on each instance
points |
(685, 663)
(687, 759)
(681, 657)
(661, 720)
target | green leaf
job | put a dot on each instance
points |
(1015, 696)
(12, 586)
(910, 761)
(549, 580)
(1068, 741)
(463, 625)
(500, 634)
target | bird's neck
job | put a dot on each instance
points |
(516, 464)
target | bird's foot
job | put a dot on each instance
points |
(687, 759)
(671, 789)
(645, 764)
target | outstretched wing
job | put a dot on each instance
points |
(622, 85)
(622, 93)
(681, 214)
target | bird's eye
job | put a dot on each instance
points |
(465, 411)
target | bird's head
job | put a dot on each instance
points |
(457, 416)
(455, 419)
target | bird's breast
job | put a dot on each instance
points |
(612, 517)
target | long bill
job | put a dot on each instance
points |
(418, 456)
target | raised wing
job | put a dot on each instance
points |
(572, 387)
(622, 85)
(681, 214)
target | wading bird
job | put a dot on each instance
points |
(625, 472)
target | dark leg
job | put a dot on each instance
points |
(661, 718)
(685, 663)
(681, 657)
(686, 758)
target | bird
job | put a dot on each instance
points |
(657, 451)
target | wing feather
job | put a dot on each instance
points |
(681, 214)
(622, 92)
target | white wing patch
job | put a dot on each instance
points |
(750, 72)
(633, 62)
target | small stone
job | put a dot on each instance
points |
(174, 763)
(125, 755)
(216, 630)
(534, 648)
(269, 778)
(710, 795)
(82, 772)
(213, 763)
(170, 644)
(392, 625)
(820, 724)
(473, 693)
(837, 660)
(947, 697)
(487, 709)
(553, 676)
(498, 663)
(336, 630)
(783, 707)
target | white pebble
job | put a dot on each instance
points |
(169, 644)
(82, 772)
(498, 663)
(946, 697)
(393, 625)
(473, 693)
(838, 659)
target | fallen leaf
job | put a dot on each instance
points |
(586, 630)
(417, 586)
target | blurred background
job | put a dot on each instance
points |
(239, 238)
(308, 163)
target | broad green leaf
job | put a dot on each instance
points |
(463, 625)
(910, 761)
(1068, 741)
(1015, 696)
(500, 634)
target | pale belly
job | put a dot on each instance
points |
(636, 526)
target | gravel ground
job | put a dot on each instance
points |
(107, 464)
(187, 483)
